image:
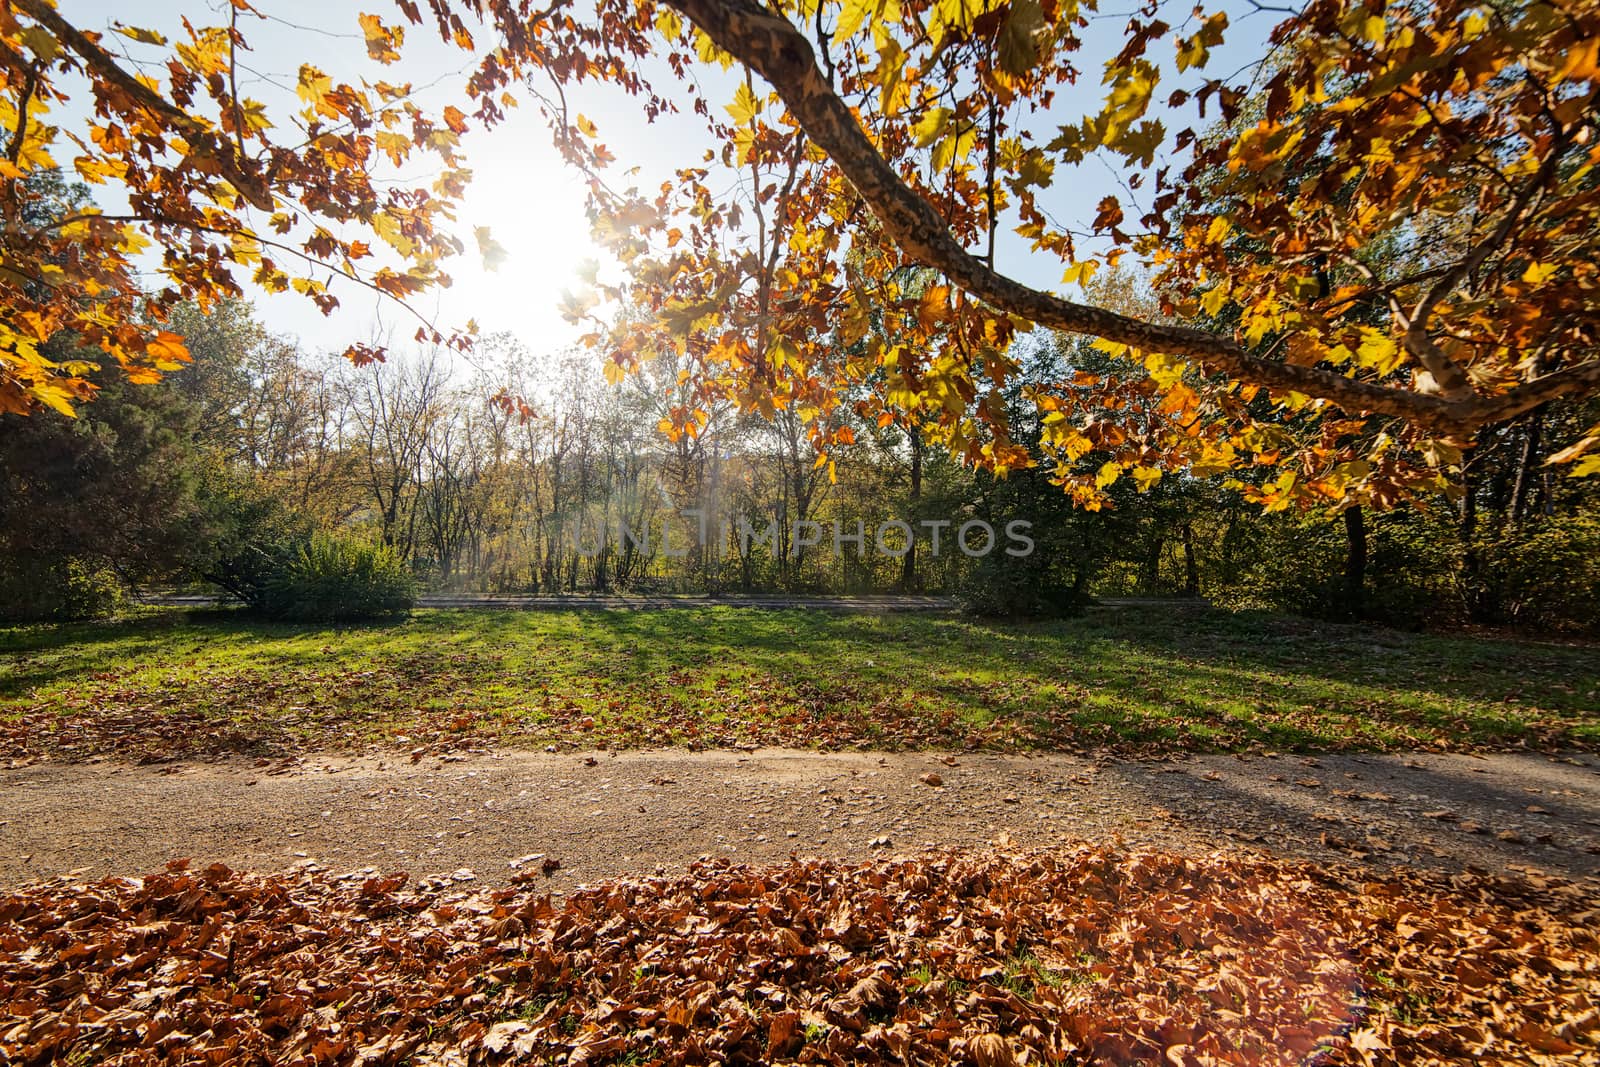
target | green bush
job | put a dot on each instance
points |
(59, 591)
(256, 537)
(1297, 565)
(333, 579)
(1293, 564)
(1030, 587)
(1544, 577)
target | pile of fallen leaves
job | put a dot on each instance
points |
(990, 958)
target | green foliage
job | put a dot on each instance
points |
(257, 537)
(335, 579)
(59, 590)
(1030, 587)
(1071, 546)
(1547, 578)
(115, 486)
(1539, 575)
(1297, 563)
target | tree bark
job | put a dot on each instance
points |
(1151, 580)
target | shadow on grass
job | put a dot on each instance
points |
(1473, 668)
(1192, 678)
(41, 654)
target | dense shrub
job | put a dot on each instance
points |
(1544, 577)
(1289, 564)
(257, 537)
(1034, 586)
(333, 579)
(59, 591)
(1297, 564)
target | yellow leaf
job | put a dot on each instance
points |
(254, 114)
(1108, 473)
(313, 86)
(132, 240)
(930, 126)
(668, 23)
(491, 251)
(168, 350)
(574, 306)
(708, 51)
(1379, 351)
(783, 351)
(1080, 272)
(1440, 453)
(397, 146)
(1537, 273)
(141, 35)
(1018, 46)
(745, 107)
(851, 15)
(382, 42)
(245, 249)
(388, 227)
(1192, 53)
(56, 398)
(1372, 29)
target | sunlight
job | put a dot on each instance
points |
(533, 206)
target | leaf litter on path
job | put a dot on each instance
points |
(992, 957)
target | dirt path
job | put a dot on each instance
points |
(633, 812)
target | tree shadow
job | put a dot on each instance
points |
(1313, 824)
(1193, 679)
(1473, 667)
(35, 655)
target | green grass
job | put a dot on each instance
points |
(166, 682)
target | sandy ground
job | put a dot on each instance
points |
(601, 815)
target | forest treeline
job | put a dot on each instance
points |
(198, 480)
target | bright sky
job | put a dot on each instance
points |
(532, 203)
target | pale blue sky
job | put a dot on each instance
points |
(534, 205)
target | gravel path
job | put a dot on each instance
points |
(633, 812)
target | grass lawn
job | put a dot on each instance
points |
(169, 683)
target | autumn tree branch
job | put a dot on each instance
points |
(103, 65)
(781, 54)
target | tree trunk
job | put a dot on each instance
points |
(1475, 595)
(1355, 563)
(908, 564)
(1151, 580)
(1526, 462)
(1191, 568)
